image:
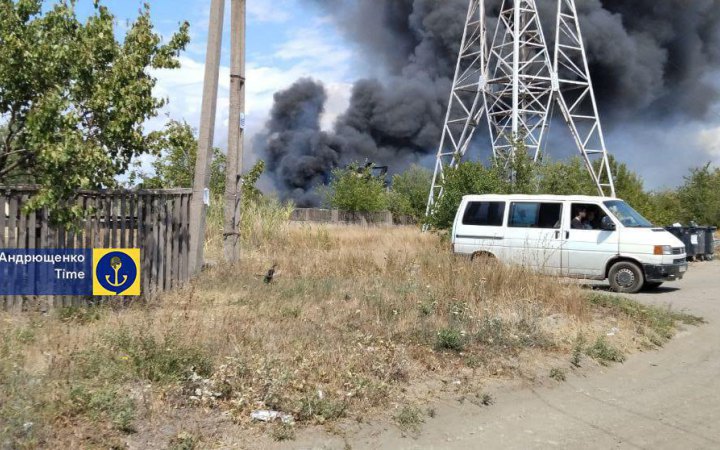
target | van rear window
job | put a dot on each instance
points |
(486, 214)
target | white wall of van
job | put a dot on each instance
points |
(574, 236)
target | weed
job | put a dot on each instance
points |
(427, 308)
(283, 432)
(159, 361)
(485, 399)
(557, 374)
(431, 413)
(578, 350)
(103, 404)
(410, 418)
(450, 339)
(321, 409)
(291, 312)
(473, 362)
(493, 332)
(184, 441)
(79, 315)
(605, 353)
(25, 335)
(660, 321)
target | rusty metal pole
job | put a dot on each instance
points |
(198, 205)
(233, 171)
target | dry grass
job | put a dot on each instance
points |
(355, 320)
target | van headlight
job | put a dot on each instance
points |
(663, 250)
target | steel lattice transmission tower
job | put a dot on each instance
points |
(513, 85)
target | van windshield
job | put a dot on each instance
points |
(626, 215)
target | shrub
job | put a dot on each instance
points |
(450, 339)
(410, 191)
(355, 189)
(605, 353)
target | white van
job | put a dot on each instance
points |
(574, 236)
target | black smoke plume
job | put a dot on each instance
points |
(649, 58)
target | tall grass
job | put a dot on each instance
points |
(263, 220)
(352, 318)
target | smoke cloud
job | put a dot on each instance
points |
(649, 58)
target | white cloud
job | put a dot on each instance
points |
(308, 53)
(709, 139)
(277, 11)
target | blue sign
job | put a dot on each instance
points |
(46, 272)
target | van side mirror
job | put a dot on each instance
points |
(607, 224)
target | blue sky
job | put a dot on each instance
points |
(285, 41)
(288, 39)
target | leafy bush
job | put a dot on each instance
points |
(468, 178)
(605, 353)
(355, 189)
(450, 339)
(410, 191)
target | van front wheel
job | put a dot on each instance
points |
(626, 277)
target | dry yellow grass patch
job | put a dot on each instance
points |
(354, 319)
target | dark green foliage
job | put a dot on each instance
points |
(175, 166)
(468, 178)
(125, 355)
(410, 191)
(74, 100)
(699, 197)
(450, 339)
(355, 189)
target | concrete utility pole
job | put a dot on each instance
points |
(233, 179)
(198, 208)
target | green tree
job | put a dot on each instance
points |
(74, 100)
(355, 189)
(410, 191)
(569, 177)
(467, 178)
(629, 186)
(700, 196)
(521, 171)
(666, 208)
(175, 166)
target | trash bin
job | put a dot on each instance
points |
(710, 243)
(688, 236)
(693, 243)
(701, 248)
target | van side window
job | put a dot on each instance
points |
(487, 214)
(535, 215)
(586, 216)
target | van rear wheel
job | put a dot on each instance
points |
(626, 277)
(483, 258)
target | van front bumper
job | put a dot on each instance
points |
(665, 272)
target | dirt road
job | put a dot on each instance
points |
(663, 399)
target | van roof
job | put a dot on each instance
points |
(516, 197)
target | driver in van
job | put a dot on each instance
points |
(578, 222)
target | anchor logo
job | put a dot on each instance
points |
(116, 272)
(116, 264)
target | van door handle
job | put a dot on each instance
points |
(557, 235)
(567, 235)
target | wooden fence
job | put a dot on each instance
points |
(156, 222)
